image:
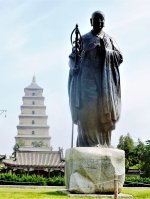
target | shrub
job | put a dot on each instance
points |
(133, 181)
(7, 178)
(56, 180)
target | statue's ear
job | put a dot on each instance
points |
(91, 22)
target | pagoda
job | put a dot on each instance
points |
(32, 151)
(33, 131)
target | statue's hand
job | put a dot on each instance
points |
(102, 44)
(102, 47)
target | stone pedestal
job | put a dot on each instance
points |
(92, 169)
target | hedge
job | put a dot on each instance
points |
(137, 182)
(22, 179)
(7, 178)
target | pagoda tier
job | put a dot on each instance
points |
(33, 131)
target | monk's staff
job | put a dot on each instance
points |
(77, 48)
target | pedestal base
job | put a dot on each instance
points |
(121, 195)
(92, 169)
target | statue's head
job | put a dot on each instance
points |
(97, 21)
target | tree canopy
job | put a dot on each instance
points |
(137, 154)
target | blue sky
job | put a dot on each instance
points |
(35, 39)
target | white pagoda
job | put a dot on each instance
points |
(33, 131)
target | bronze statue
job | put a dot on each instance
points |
(94, 85)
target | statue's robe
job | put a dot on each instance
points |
(94, 92)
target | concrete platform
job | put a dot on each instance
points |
(120, 195)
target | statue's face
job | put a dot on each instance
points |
(97, 22)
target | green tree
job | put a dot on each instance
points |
(126, 143)
(138, 153)
(146, 160)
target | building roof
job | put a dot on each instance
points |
(133, 171)
(2, 157)
(33, 85)
(46, 159)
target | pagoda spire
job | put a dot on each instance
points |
(33, 80)
(33, 84)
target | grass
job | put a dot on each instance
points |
(29, 193)
(138, 193)
(51, 193)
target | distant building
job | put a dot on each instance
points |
(33, 151)
(2, 157)
(134, 173)
(47, 163)
(33, 131)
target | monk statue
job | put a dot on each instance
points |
(94, 85)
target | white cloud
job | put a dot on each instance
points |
(131, 13)
(15, 42)
(135, 89)
(59, 119)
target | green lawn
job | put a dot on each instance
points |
(138, 193)
(29, 193)
(49, 193)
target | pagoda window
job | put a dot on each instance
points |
(33, 132)
(33, 94)
(33, 122)
(33, 112)
(33, 102)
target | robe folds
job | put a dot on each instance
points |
(94, 91)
